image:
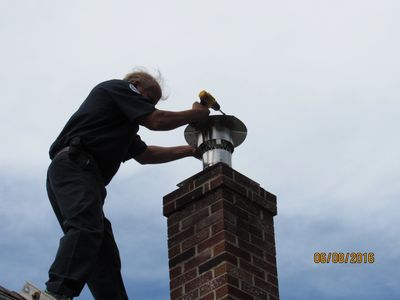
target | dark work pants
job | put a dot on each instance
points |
(87, 252)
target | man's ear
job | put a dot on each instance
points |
(139, 87)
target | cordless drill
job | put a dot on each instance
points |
(208, 100)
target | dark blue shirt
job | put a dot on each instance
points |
(107, 126)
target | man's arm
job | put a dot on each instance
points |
(158, 155)
(168, 120)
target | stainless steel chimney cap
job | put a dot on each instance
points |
(216, 138)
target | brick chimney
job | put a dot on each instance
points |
(221, 241)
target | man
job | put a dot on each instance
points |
(100, 135)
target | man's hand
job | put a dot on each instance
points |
(201, 109)
(168, 120)
(196, 153)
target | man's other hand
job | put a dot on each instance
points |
(158, 155)
(168, 120)
(196, 153)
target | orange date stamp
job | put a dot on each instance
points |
(344, 257)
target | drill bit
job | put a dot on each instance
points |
(222, 112)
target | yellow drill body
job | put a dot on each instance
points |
(208, 100)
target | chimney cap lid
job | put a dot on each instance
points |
(237, 129)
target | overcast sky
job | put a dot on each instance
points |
(316, 83)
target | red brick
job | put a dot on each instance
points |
(223, 257)
(175, 294)
(176, 194)
(177, 216)
(191, 296)
(221, 269)
(266, 246)
(217, 227)
(246, 182)
(233, 280)
(207, 200)
(229, 217)
(196, 217)
(217, 182)
(228, 183)
(213, 284)
(226, 170)
(251, 248)
(240, 294)
(248, 206)
(240, 274)
(269, 238)
(196, 238)
(174, 251)
(218, 249)
(230, 238)
(211, 241)
(180, 237)
(265, 203)
(265, 224)
(172, 230)
(181, 257)
(228, 205)
(249, 228)
(213, 218)
(266, 286)
(189, 197)
(271, 259)
(217, 206)
(214, 171)
(237, 231)
(206, 187)
(198, 259)
(237, 252)
(193, 207)
(222, 291)
(198, 281)
(227, 298)
(267, 267)
(272, 279)
(252, 269)
(209, 296)
(241, 214)
(267, 195)
(169, 208)
(181, 280)
(174, 272)
(256, 292)
(228, 195)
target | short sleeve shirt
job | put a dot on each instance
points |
(107, 126)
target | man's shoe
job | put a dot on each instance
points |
(57, 296)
